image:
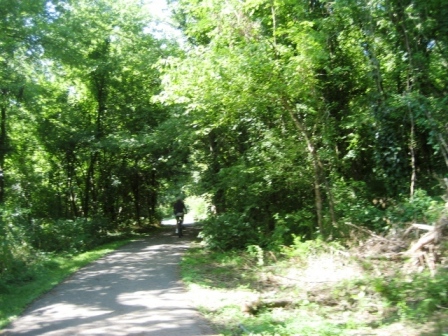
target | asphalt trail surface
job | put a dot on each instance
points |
(134, 290)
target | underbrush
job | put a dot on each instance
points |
(314, 288)
(417, 296)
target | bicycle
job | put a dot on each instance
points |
(179, 222)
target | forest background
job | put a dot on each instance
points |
(288, 118)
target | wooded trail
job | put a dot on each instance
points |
(133, 291)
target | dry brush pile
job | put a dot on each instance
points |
(424, 245)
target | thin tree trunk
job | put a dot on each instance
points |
(412, 149)
(135, 183)
(73, 199)
(316, 169)
(409, 80)
(89, 184)
(90, 198)
(3, 140)
(219, 196)
(152, 197)
(137, 198)
(330, 196)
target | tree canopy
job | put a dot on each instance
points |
(292, 118)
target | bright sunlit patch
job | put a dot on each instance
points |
(158, 8)
(162, 27)
(139, 298)
(60, 311)
(188, 219)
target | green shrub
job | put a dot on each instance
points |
(230, 231)
(416, 296)
(300, 222)
(66, 235)
(15, 251)
(421, 209)
(305, 248)
(6, 255)
(354, 205)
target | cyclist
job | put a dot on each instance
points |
(179, 210)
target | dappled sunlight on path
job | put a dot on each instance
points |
(132, 291)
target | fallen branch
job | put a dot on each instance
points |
(307, 282)
(367, 231)
(425, 239)
(432, 236)
(425, 227)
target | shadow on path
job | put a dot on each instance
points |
(134, 290)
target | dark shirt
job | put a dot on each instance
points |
(179, 206)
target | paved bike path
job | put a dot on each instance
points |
(134, 290)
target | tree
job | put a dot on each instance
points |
(330, 76)
(18, 24)
(244, 73)
(101, 131)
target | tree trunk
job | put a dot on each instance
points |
(412, 150)
(136, 181)
(219, 195)
(99, 87)
(89, 184)
(152, 197)
(3, 145)
(316, 169)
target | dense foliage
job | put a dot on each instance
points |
(307, 115)
(83, 151)
(289, 117)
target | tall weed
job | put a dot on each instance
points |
(304, 248)
(416, 296)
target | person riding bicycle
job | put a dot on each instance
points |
(179, 210)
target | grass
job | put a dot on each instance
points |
(43, 275)
(328, 293)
